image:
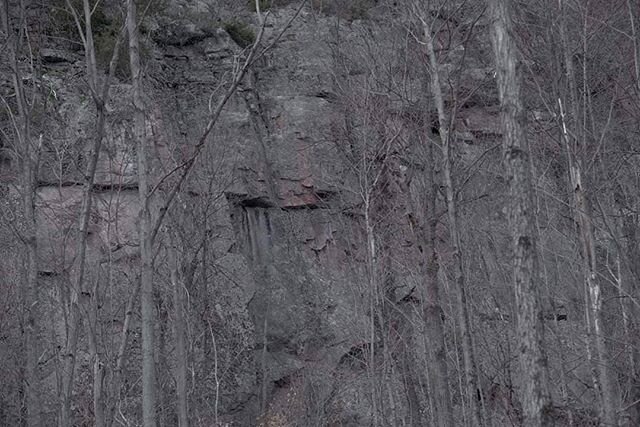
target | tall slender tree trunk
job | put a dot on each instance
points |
(100, 97)
(96, 357)
(27, 151)
(630, 287)
(464, 324)
(177, 284)
(77, 286)
(433, 313)
(575, 145)
(631, 231)
(585, 229)
(116, 379)
(373, 304)
(31, 298)
(530, 329)
(146, 241)
(424, 225)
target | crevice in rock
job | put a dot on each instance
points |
(282, 382)
(322, 201)
(326, 95)
(97, 187)
(249, 202)
(48, 273)
(358, 356)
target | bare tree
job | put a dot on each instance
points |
(536, 397)
(630, 307)
(444, 123)
(424, 224)
(182, 273)
(146, 239)
(575, 145)
(99, 89)
(27, 150)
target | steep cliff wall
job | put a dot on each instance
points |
(284, 324)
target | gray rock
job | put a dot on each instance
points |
(56, 56)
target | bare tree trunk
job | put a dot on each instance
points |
(162, 343)
(28, 152)
(177, 285)
(575, 145)
(424, 226)
(409, 368)
(470, 366)
(630, 307)
(98, 363)
(560, 337)
(146, 240)
(567, 64)
(114, 389)
(433, 314)
(634, 255)
(530, 329)
(31, 298)
(100, 94)
(627, 310)
(585, 225)
(373, 297)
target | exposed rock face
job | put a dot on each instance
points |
(287, 264)
(285, 292)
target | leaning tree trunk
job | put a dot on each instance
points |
(530, 329)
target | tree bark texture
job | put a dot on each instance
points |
(145, 236)
(530, 330)
(177, 283)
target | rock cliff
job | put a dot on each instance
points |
(271, 225)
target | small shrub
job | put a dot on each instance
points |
(240, 33)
